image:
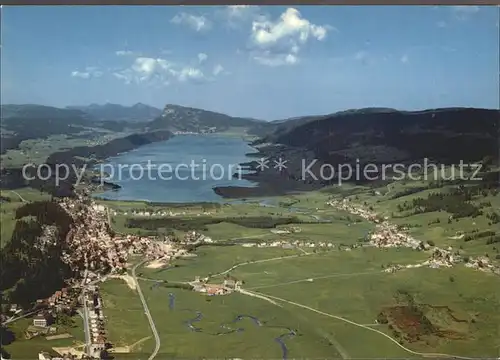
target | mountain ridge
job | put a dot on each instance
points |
(138, 112)
(184, 118)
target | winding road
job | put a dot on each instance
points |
(438, 355)
(264, 260)
(146, 311)
(19, 195)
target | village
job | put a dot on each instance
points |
(390, 235)
(228, 286)
(139, 213)
(95, 252)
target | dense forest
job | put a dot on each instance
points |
(443, 135)
(31, 270)
(200, 223)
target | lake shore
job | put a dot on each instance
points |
(197, 165)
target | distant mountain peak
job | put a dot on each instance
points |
(140, 105)
(136, 113)
(184, 118)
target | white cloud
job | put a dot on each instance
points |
(291, 26)
(197, 23)
(148, 68)
(157, 71)
(80, 74)
(463, 12)
(145, 70)
(124, 52)
(90, 72)
(217, 70)
(278, 42)
(189, 73)
(202, 57)
(404, 59)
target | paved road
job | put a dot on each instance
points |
(86, 327)
(146, 311)
(264, 260)
(438, 355)
(12, 319)
(19, 195)
(85, 313)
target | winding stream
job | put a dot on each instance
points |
(171, 301)
(229, 330)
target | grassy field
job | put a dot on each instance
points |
(37, 150)
(213, 260)
(435, 226)
(349, 284)
(126, 322)
(472, 296)
(461, 304)
(342, 264)
(22, 349)
(179, 341)
(309, 211)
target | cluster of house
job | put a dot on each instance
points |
(193, 237)
(150, 247)
(42, 325)
(64, 300)
(205, 130)
(346, 205)
(287, 230)
(385, 234)
(156, 213)
(290, 244)
(389, 235)
(483, 263)
(97, 326)
(89, 244)
(442, 258)
(228, 286)
(43, 355)
(92, 245)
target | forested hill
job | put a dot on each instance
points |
(181, 118)
(114, 112)
(447, 135)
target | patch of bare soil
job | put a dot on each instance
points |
(127, 278)
(157, 264)
(413, 322)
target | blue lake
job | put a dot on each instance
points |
(185, 168)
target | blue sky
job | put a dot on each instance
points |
(264, 62)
